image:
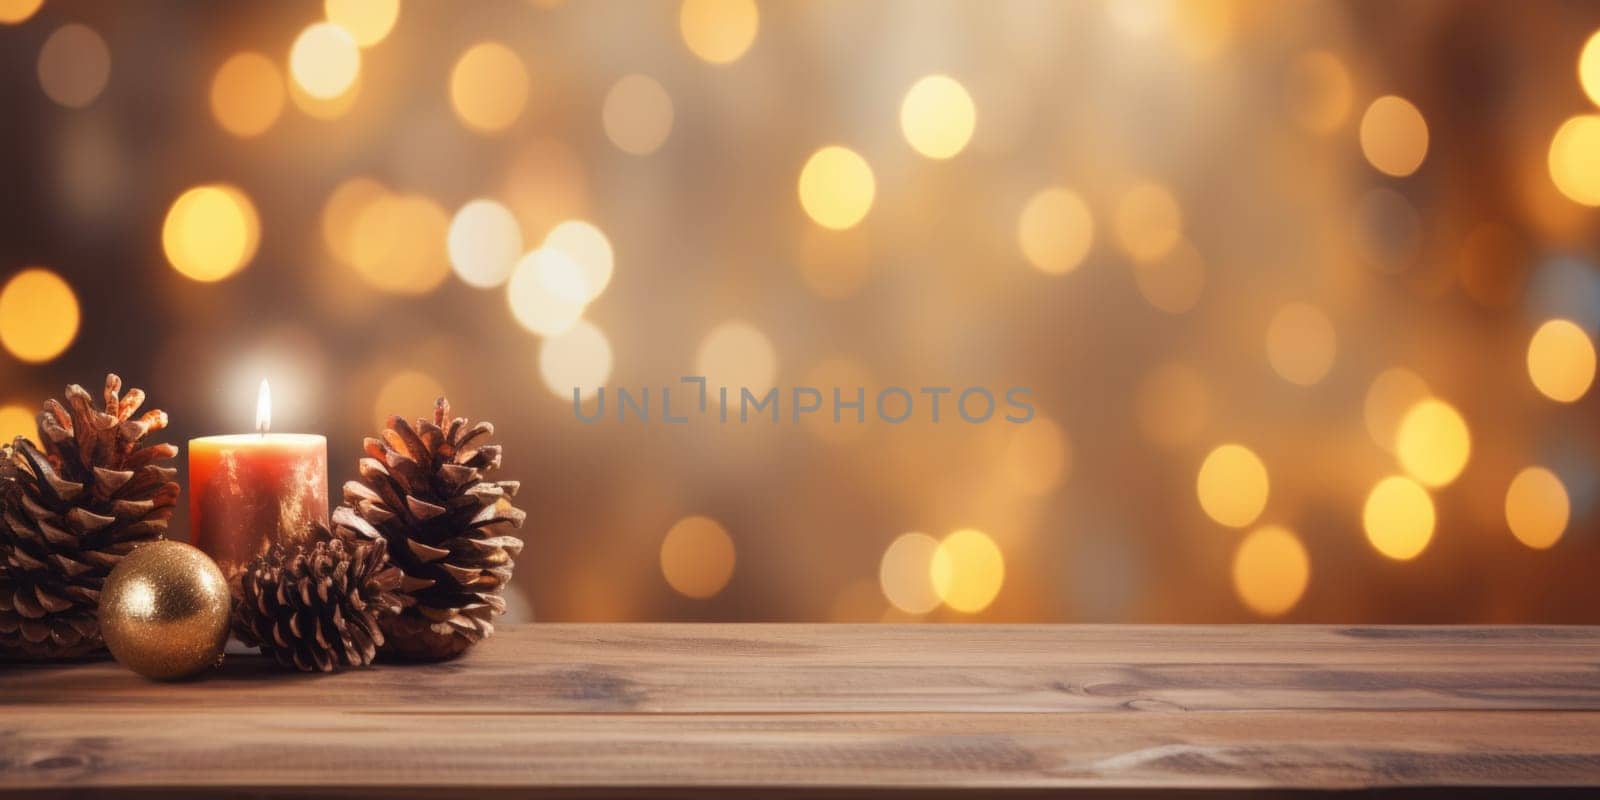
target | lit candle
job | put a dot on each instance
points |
(251, 490)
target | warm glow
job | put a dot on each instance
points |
(1301, 344)
(74, 65)
(1390, 396)
(1398, 517)
(16, 420)
(579, 358)
(736, 355)
(937, 116)
(1394, 136)
(836, 187)
(399, 244)
(905, 573)
(547, 291)
(368, 21)
(344, 206)
(1037, 456)
(13, 12)
(211, 232)
(637, 114)
(1320, 91)
(1173, 282)
(1270, 571)
(719, 31)
(697, 557)
(967, 570)
(404, 390)
(1232, 485)
(264, 407)
(247, 94)
(1589, 68)
(1537, 507)
(38, 315)
(489, 87)
(1149, 222)
(1173, 405)
(1055, 230)
(1561, 359)
(1433, 442)
(484, 243)
(588, 247)
(321, 108)
(324, 60)
(1573, 166)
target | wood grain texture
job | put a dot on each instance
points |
(780, 710)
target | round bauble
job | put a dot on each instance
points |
(164, 611)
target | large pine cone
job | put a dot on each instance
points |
(317, 607)
(72, 511)
(423, 491)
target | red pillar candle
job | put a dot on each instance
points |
(249, 491)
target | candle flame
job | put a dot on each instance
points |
(264, 408)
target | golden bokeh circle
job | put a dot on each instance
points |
(399, 244)
(74, 65)
(1301, 344)
(247, 94)
(1561, 360)
(937, 116)
(367, 21)
(697, 557)
(1232, 485)
(905, 573)
(719, 31)
(1398, 518)
(1589, 68)
(1433, 442)
(324, 60)
(1573, 166)
(1320, 91)
(637, 114)
(489, 87)
(484, 243)
(16, 12)
(967, 570)
(38, 315)
(18, 420)
(403, 391)
(577, 358)
(211, 232)
(836, 187)
(1271, 570)
(1055, 230)
(1537, 507)
(1149, 222)
(1394, 136)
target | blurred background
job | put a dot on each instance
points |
(1306, 292)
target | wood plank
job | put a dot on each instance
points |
(802, 668)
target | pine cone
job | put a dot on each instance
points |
(423, 491)
(72, 511)
(317, 607)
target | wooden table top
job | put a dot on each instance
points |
(800, 710)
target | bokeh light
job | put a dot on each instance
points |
(399, 244)
(339, 214)
(74, 65)
(1173, 404)
(408, 392)
(836, 187)
(1392, 393)
(587, 246)
(697, 557)
(367, 21)
(485, 243)
(1394, 136)
(1055, 230)
(324, 60)
(38, 315)
(1589, 67)
(737, 355)
(547, 291)
(1232, 485)
(1433, 442)
(1271, 570)
(719, 31)
(1573, 166)
(579, 358)
(14, 12)
(906, 573)
(1301, 344)
(1398, 517)
(1173, 282)
(211, 232)
(247, 94)
(1319, 93)
(18, 420)
(1537, 507)
(937, 116)
(967, 570)
(489, 87)
(1037, 456)
(325, 108)
(1561, 360)
(1149, 222)
(637, 114)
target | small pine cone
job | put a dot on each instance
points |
(317, 607)
(424, 491)
(72, 509)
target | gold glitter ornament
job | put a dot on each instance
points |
(164, 611)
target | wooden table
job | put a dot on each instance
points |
(840, 710)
